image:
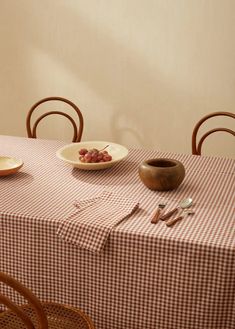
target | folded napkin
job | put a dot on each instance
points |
(89, 227)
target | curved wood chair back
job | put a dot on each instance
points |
(77, 128)
(36, 314)
(31, 299)
(197, 145)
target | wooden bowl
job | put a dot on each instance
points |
(161, 174)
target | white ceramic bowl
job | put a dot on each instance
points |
(69, 154)
(9, 166)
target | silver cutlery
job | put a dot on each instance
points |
(186, 212)
(155, 216)
(186, 203)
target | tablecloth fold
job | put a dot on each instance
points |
(90, 225)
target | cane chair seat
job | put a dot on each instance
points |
(58, 317)
(37, 314)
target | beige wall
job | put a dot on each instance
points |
(142, 72)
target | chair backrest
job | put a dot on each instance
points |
(32, 300)
(77, 128)
(197, 144)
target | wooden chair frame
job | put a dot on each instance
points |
(31, 128)
(39, 309)
(29, 296)
(197, 146)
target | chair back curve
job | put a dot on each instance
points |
(77, 125)
(16, 309)
(197, 142)
(36, 314)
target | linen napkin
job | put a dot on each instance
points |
(89, 227)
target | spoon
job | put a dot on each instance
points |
(157, 213)
(186, 203)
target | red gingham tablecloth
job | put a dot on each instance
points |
(147, 276)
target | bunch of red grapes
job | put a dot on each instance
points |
(94, 155)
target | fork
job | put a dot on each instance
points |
(156, 215)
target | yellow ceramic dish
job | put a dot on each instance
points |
(9, 166)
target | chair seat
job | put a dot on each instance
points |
(58, 316)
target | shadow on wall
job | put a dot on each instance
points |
(124, 93)
(120, 76)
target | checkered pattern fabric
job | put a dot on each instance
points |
(90, 226)
(146, 276)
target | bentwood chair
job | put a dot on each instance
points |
(77, 125)
(36, 314)
(197, 144)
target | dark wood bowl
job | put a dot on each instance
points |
(161, 174)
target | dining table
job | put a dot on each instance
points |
(146, 275)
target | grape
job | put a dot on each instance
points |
(83, 151)
(94, 151)
(107, 158)
(88, 157)
(81, 158)
(99, 157)
(94, 155)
